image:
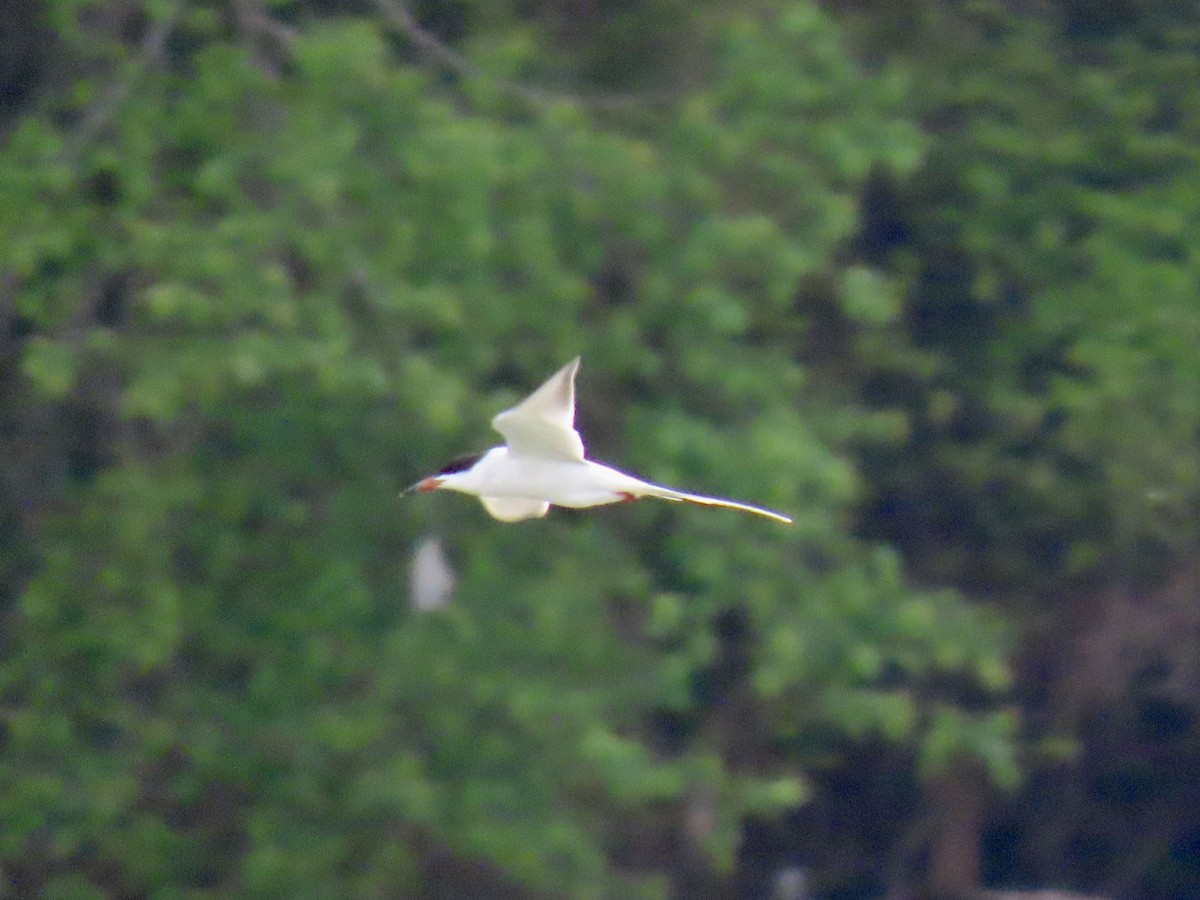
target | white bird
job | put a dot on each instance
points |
(543, 464)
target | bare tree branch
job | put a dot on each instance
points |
(272, 39)
(397, 15)
(152, 54)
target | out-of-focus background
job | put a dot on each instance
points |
(925, 275)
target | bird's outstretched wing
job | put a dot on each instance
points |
(514, 509)
(666, 493)
(543, 424)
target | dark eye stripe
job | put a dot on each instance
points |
(460, 464)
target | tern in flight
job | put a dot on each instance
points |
(543, 464)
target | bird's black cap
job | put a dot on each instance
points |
(460, 464)
(429, 483)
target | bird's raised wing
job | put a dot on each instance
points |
(543, 424)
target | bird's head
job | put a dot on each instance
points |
(447, 477)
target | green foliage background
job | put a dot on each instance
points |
(266, 263)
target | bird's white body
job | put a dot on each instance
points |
(562, 482)
(543, 464)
